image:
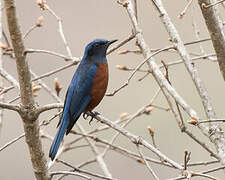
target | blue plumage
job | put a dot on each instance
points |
(78, 94)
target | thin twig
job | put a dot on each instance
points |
(137, 140)
(136, 69)
(45, 87)
(29, 31)
(69, 173)
(211, 121)
(217, 138)
(147, 164)
(66, 58)
(84, 171)
(9, 78)
(213, 4)
(157, 74)
(121, 150)
(1, 67)
(185, 9)
(12, 141)
(98, 156)
(54, 71)
(132, 36)
(60, 29)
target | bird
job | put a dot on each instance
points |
(86, 90)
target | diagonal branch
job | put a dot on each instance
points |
(137, 140)
(213, 131)
(159, 77)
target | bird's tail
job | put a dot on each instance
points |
(59, 137)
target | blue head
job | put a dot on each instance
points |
(95, 51)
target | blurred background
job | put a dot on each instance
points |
(84, 21)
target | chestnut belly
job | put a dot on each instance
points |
(99, 87)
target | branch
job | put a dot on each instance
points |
(13, 107)
(54, 71)
(121, 150)
(137, 140)
(45, 87)
(69, 173)
(215, 28)
(136, 69)
(18, 46)
(31, 125)
(84, 171)
(217, 137)
(66, 58)
(11, 142)
(214, 3)
(147, 164)
(185, 9)
(60, 29)
(98, 156)
(9, 78)
(159, 77)
(1, 67)
(49, 107)
(132, 36)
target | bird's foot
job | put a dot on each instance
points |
(92, 114)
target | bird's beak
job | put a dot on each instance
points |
(110, 42)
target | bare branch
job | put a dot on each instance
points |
(121, 150)
(60, 28)
(215, 28)
(121, 44)
(31, 126)
(13, 107)
(1, 67)
(55, 71)
(69, 173)
(147, 164)
(52, 93)
(84, 171)
(49, 107)
(213, 4)
(185, 9)
(136, 69)
(52, 53)
(12, 141)
(9, 78)
(211, 121)
(153, 66)
(217, 137)
(138, 140)
(98, 156)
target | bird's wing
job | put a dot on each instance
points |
(78, 97)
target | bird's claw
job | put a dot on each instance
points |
(85, 116)
(92, 114)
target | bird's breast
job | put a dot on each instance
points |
(99, 86)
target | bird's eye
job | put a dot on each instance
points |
(97, 45)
